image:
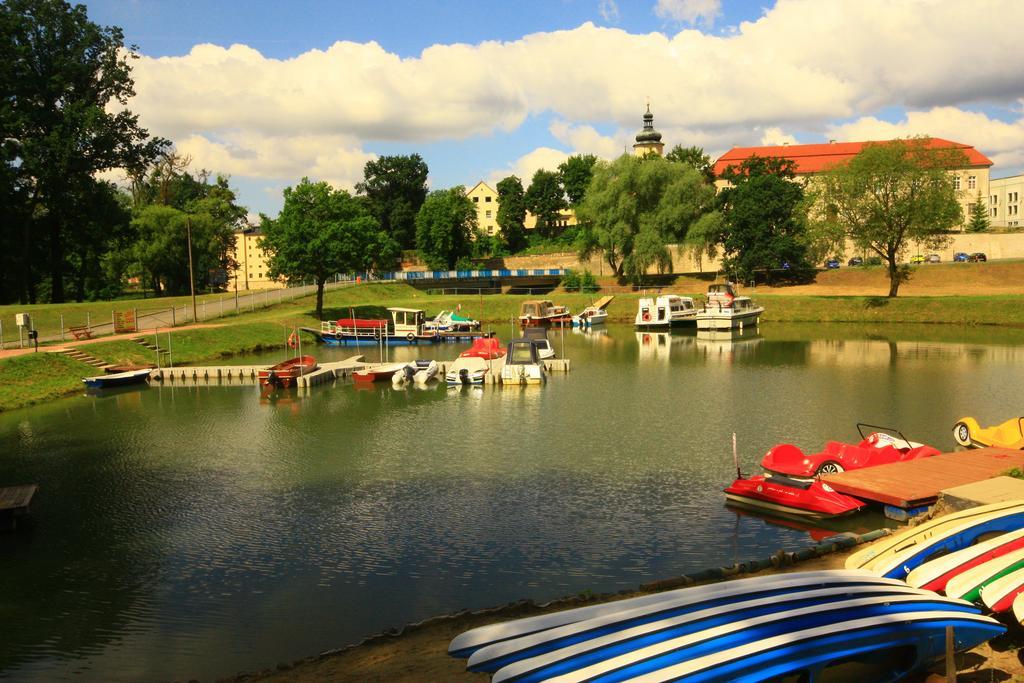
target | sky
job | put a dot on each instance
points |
(268, 92)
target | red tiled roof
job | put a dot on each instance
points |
(817, 158)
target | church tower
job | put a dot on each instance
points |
(648, 141)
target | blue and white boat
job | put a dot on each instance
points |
(696, 598)
(118, 379)
(591, 316)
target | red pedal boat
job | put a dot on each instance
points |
(876, 448)
(284, 374)
(794, 497)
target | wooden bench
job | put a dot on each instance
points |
(80, 332)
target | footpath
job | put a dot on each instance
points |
(64, 346)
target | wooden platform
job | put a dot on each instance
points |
(14, 502)
(918, 482)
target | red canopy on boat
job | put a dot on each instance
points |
(362, 323)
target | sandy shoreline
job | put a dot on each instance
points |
(419, 652)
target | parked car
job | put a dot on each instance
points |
(855, 261)
(917, 258)
(960, 257)
(932, 258)
(977, 256)
(832, 263)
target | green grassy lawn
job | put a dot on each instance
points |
(47, 317)
(39, 377)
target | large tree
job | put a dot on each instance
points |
(321, 232)
(396, 187)
(512, 212)
(890, 195)
(545, 199)
(763, 227)
(63, 119)
(636, 207)
(695, 158)
(575, 173)
(444, 227)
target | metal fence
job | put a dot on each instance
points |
(70, 325)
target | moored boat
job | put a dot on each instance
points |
(788, 496)
(450, 321)
(377, 373)
(523, 364)
(468, 370)
(1009, 434)
(487, 348)
(539, 337)
(543, 312)
(418, 371)
(117, 379)
(285, 374)
(724, 310)
(591, 316)
(664, 312)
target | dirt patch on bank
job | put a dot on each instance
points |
(420, 652)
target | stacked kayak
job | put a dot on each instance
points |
(746, 630)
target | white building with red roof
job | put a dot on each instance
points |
(972, 179)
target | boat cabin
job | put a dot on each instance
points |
(541, 308)
(722, 292)
(522, 352)
(406, 321)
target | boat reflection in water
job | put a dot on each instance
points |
(728, 345)
(818, 529)
(658, 346)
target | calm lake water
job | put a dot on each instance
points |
(190, 531)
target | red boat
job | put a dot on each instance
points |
(284, 374)
(876, 448)
(377, 373)
(488, 348)
(782, 495)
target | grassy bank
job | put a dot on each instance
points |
(25, 380)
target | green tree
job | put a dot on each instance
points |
(396, 187)
(444, 228)
(763, 218)
(545, 199)
(321, 232)
(574, 174)
(695, 158)
(889, 195)
(512, 213)
(636, 207)
(977, 213)
(66, 84)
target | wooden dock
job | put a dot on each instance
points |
(915, 483)
(14, 504)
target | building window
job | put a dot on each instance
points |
(995, 199)
(995, 212)
(488, 214)
(476, 200)
(488, 199)
(956, 182)
(251, 277)
(972, 182)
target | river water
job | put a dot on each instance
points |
(187, 531)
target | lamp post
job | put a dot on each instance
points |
(191, 277)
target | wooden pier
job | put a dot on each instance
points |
(916, 483)
(14, 504)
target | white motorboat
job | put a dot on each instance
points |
(418, 371)
(523, 364)
(539, 336)
(468, 370)
(589, 317)
(665, 311)
(725, 311)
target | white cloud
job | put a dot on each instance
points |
(689, 11)
(609, 11)
(802, 64)
(775, 136)
(525, 166)
(1000, 141)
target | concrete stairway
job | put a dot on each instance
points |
(84, 357)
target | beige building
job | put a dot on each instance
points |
(485, 199)
(1004, 201)
(252, 270)
(971, 180)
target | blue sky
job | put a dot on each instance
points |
(571, 76)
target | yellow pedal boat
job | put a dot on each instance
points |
(1009, 434)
